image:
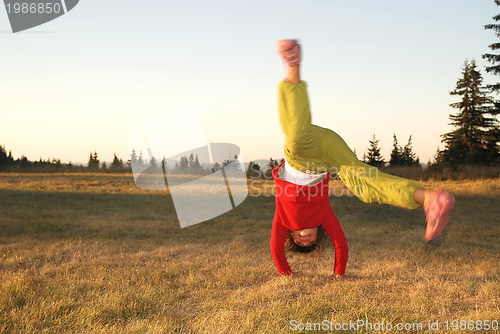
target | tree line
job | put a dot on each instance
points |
(7, 163)
(187, 164)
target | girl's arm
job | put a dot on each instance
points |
(332, 228)
(278, 239)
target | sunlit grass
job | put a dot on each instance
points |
(94, 253)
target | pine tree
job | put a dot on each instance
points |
(191, 161)
(133, 158)
(5, 160)
(492, 149)
(494, 59)
(3, 156)
(196, 167)
(268, 171)
(408, 157)
(93, 163)
(184, 165)
(396, 153)
(117, 163)
(374, 157)
(232, 162)
(140, 161)
(253, 171)
(475, 133)
(24, 163)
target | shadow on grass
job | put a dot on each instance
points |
(42, 214)
(473, 227)
(101, 215)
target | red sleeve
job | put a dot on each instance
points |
(278, 239)
(332, 228)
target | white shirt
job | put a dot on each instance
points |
(294, 176)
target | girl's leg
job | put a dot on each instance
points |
(372, 186)
(423, 196)
(302, 150)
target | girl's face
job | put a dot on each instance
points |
(305, 238)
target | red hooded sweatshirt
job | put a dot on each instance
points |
(300, 207)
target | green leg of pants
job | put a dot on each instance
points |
(310, 147)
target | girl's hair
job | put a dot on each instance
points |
(316, 247)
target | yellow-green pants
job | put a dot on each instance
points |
(317, 149)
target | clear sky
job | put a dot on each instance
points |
(88, 79)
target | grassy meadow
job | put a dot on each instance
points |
(92, 253)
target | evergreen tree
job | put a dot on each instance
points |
(233, 162)
(494, 59)
(191, 161)
(396, 154)
(3, 157)
(133, 158)
(408, 157)
(96, 159)
(93, 163)
(24, 163)
(253, 171)
(117, 163)
(153, 162)
(196, 167)
(268, 171)
(196, 163)
(5, 160)
(184, 165)
(475, 133)
(492, 149)
(140, 161)
(374, 157)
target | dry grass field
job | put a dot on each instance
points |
(90, 253)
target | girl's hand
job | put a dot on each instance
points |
(341, 278)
